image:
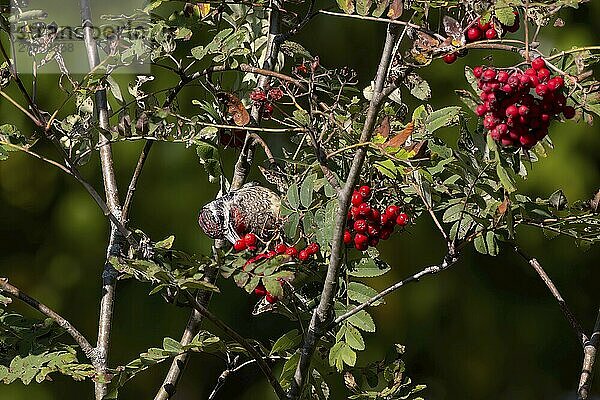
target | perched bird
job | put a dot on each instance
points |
(252, 208)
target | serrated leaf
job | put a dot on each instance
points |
(306, 190)
(286, 342)
(354, 338)
(346, 5)
(292, 196)
(363, 6)
(367, 268)
(361, 293)
(505, 14)
(363, 321)
(444, 117)
(418, 86)
(341, 354)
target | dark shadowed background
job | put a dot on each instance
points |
(485, 329)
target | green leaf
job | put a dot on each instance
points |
(504, 13)
(306, 190)
(470, 76)
(418, 87)
(361, 293)
(286, 342)
(292, 196)
(506, 180)
(558, 200)
(301, 117)
(172, 346)
(447, 116)
(486, 244)
(273, 286)
(165, 244)
(367, 268)
(289, 368)
(354, 338)
(209, 158)
(363, 321)
(341, 354)
(363, 6)
(346, 5)
(291, 225)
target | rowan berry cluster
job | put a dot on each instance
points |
(250, 242)
(264, 100)
(518, 106)
(479, 30)
(366, 225)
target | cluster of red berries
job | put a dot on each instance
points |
(484, 31)
(512, 115)
(250, 241)
(264, 99)
(366, 225)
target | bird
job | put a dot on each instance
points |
(250, 209)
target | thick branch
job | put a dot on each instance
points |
(322, 313)
(241, 341)
(556, 294)
(47, 311)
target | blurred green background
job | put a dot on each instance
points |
(485, 329)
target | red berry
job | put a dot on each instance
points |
(291, 251)
(491, 34)
(543, 74)
(357, 199)
(502, 76)
(303, 255)
(360, 226)
(258, 95)
(372, 231)
(360, 240)
(250, 239)
(373, 241)
(385, 233)
(271, 299)
(347, 237)
(512, 111)
(354, 212)
(271, 254)
(281, 248)
(392, 210)
(483, 27)
(364, 209)
(481, 110)
(569, 112)
(478, 71)
(239, 245)
(523, 110)
(527, 141)
(365, 191)
(560, 81)
(541, 89)
(375, 215)
(275, 94)
(450, 58)
(302, 69)
(489, 74)
(402, 219)
(362, 246)
(538, 63)
(267, 110)
(552, 85)
(313, 248)
(473, 34)
(260, 290)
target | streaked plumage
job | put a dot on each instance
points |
(252, 208)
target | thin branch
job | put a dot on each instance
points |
(26, 150)
(431, 270)
(20, 107)
(581, 337)
(589, 357)
(241, 341)
(115, 243)
(323, 312)
(47, 311)
(134, 179)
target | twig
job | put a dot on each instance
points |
(322, 313)
(47, 311)
(241, 341)
(589, 357)
(527, 58)
(431, 270)
(134, 179)
(36, 155)
(20, 107)
(115, 243)
(581, 337)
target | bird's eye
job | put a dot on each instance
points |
(210, 224)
